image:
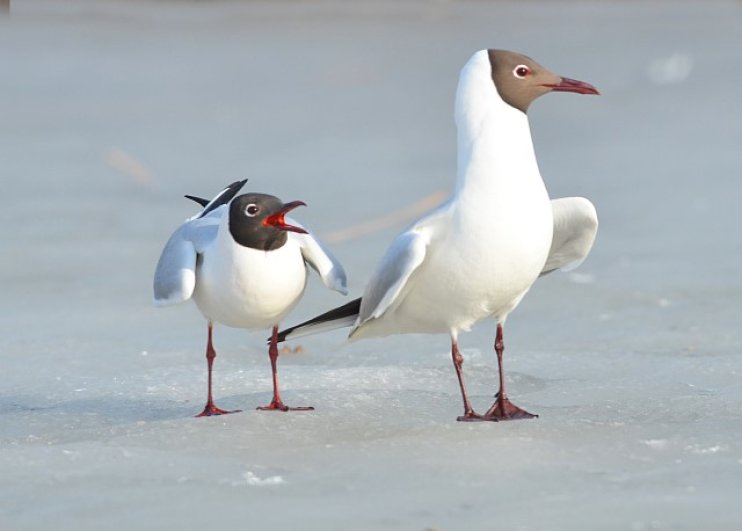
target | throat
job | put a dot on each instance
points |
(497, 154)
(260, 238)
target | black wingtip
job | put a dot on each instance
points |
(348, 309)
(224, 197)
(237, 185)
(200, 200)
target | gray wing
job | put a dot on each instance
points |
(403, 257)
(406, 253)
(575, 227)
(175, 274)
(319, 257)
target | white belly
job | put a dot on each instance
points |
(461, 284)
(479, 268)
(248, 288)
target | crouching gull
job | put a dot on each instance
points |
(244, 264)
(478, 254)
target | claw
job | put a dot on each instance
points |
(280, 406)
(211, 410)
(504, 409)
(471, 416)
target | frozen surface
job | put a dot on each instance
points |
(111, 111)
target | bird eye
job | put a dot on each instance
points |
(252, 210)
(521, 71)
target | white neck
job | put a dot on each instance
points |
(494, 138)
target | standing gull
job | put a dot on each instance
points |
(478, 254)
(244, 265)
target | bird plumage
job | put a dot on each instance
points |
(244, 264)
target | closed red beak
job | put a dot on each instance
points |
(572, 85)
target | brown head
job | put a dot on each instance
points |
(519, 79)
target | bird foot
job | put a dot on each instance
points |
(277, 405)
(504, 409)
(210, 410)
(471, 416)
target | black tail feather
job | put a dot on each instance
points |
(346, 310)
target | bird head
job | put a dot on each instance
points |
(258, 220)
(519, 79)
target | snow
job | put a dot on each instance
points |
(111, 111)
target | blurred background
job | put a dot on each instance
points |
(111, 110)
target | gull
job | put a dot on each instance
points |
(245, 266)
(477, 255)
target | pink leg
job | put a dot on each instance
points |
(277, 404)
(211, 408)
(503, 408)
(458, 360)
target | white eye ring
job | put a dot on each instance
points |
(252, 210)
(521, 71)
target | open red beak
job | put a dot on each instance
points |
(572, 85)
(277, 220)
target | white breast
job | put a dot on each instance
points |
(247, 288)
(481, 267)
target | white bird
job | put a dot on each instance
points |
(245, 267)
(477, 255)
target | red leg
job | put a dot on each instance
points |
(458, 360)
(277, 404)
(503, 408)
(211, 408)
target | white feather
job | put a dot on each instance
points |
(319, 257)
(575, 228)
(175, 274)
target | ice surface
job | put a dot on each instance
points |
(111, 111)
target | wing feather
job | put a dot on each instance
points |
(575, 228)
(175, 274)
(403, 257)
(405, 254)
(321, 259)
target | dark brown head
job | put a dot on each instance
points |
(257, 221)
(519, 79)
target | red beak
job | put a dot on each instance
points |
(277, 220)
(572, 85)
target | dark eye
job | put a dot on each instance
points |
(521, 71)
(252, 210)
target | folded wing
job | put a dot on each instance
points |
(403, 257)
